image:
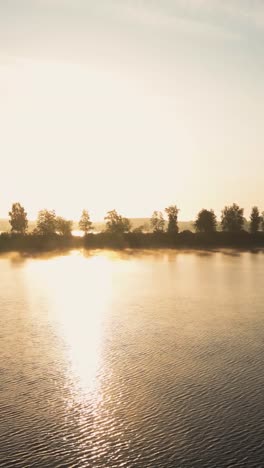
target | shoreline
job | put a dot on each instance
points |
(29, 243)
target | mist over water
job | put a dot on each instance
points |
(132, 359)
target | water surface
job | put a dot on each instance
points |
(147, 359)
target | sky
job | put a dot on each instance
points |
(131, 105)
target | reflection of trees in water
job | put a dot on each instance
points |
(16, 259)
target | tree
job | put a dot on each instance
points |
(262, 221)
(116, 224)
(140, 229)
(18, 219)
(232, 218)
(172, 212)
(46, 223)
(85, 223)
(63, 226)
(206, 221)
(255, 220)
(157, 222)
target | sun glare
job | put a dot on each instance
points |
(77, 305)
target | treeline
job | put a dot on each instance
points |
(48, 223)
(54, 231)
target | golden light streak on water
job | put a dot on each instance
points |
(77, 305)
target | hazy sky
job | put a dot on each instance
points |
(131, 105)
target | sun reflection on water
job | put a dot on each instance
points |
(76, 309)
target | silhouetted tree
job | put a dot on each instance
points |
(172, 212)
(116, 224)
(85, 223)
(63, 226)
(157, 222)
(232, 218)
(46, 223)
(206, 221)
(141, 229)
(255, 220)
(18, 219)
(262, 221)
(138, 229)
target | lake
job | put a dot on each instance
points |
(132, 359)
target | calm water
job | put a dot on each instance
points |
(132, 360)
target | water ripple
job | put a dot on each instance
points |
(164, 370)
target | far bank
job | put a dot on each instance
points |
(183, 240)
